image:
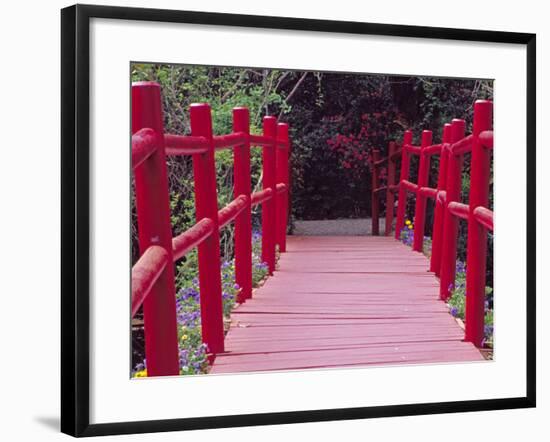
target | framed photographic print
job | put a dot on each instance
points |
(253, 206)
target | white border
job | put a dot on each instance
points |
(115, 398)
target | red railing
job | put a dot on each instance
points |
(394, 154)
(448, 206)
(153, 283)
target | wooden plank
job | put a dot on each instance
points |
(344, 301)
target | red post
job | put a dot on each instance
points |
(282, 174)
(269, 207)
(390, 196)
(374, 195)
(289, 181)
(450, 223)
(206, 206)
(423, 178)
(243, 223)
(405, 166)
(477, 234)
(435, 260)
(153, 212)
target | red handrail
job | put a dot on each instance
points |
(191, 238)
(412, 149)
(459, 209)
(152, 276)
(484, 216)
(261, 196)
(232, 210)
(428, 192)
(229, 140)
(143, 146)
(185, 145)
(462, 146)
(408, 186)
(486, 139)
(145, 274)
(261, 140)
(435, 149)
(448, 207)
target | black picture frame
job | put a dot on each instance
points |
(75, 211)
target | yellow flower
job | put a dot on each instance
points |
(408, 222)
(184, 337)
(141, 373)
(410, 227)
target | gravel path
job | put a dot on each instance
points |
(338, 227)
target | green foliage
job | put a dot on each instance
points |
(457, 303)
(259, 268)
(223, 88)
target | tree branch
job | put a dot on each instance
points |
(293, 91)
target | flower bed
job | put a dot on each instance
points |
(193, 353)
(457, 301)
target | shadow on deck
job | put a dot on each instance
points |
(341, 301)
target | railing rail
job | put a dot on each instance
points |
(448, 206)
(153, 284)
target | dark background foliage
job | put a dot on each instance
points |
(336, 120)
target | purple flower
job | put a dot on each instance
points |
(460, 267)
(188, 293)
(454, 311)
(140, 366)
(196, 365)
(183, 358)
(188, 319)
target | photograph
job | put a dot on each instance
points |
(271, 221)
(289, 220)
(254, 205)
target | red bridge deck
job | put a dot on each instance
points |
(344, 301)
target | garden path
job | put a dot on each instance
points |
(335, 227)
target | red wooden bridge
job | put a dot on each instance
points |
(332, 301)
(344, 301)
